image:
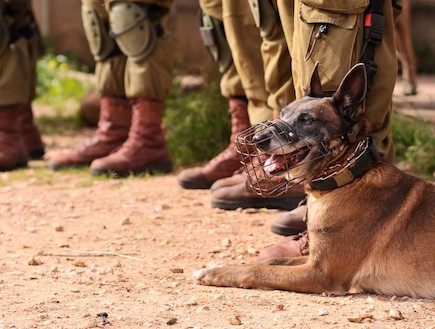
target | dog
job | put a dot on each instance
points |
(371, 226)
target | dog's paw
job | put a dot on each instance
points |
(208, 276)
(205, 275)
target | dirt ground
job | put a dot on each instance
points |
(72, 247)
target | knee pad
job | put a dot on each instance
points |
(213, 36)
(102, 46)
(265, 16)
(133, 29)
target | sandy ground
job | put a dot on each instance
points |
(73, 247)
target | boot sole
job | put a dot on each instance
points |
(284, 203)
(57, 167)
(164, 167)
(18, 165)
(285, 230)
(194, 185)
(36, 154)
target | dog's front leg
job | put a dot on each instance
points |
(299, 278)
(285, 261)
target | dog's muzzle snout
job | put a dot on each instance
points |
(266, 151)
(274, 129)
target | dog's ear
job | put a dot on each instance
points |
(350, 95)
(315, 87)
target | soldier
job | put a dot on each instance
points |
(19, 48)
(229, 31)
(134, 77)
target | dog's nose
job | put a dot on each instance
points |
(262, 139)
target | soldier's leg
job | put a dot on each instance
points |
(138, 31)
(16, 66)
(336, 58)
(270, 88)
(115, 111)
(226, 162)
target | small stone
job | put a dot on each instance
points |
(176, 270)
(125, 221)
(172, 321)
(226, 243)
(323, 312)
(79, 263)
(34, 262)
(395, 315)
(236, 321)
(31, 229)
(360, 319)
(251, 250)
(59, 228)
(280, 307)
(117, 264)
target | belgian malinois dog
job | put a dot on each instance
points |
(371, 226)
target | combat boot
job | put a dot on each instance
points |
(145, 150)
(291, 246)
(113, 126)
(225, 163)
(234, 192)
(30, 133)
(13, 153)
(291, 222)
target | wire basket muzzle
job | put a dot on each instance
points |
(257, 163)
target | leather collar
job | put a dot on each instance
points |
(356, 166)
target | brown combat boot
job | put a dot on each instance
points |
(112, 132)
(145, 150)
(234, 192)
(291, 246)
(30, 133)
(13, 153)
(225, 163)
(291, 222)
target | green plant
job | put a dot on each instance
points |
(414, 143)
(59, 83)
(198, 123)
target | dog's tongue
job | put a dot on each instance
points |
(274, 163)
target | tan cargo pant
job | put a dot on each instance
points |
(338, 51)
(149, 78)
(18, 72)
(244, 40)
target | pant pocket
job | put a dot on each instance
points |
(339, 6)
(333, 39)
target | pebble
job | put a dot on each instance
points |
(172, 321)
(235, 321)
(79, 263)
(59, 228)
(251, 250)
(395, 315)
(92, 323)
(125, 221)
(31, 229)
(226, 243)
(323, 312)
(34, 262)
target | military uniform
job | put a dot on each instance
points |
(134, 77)
(330, 32)
(19, 50)
(236, 47)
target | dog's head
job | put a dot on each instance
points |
(313, 130)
